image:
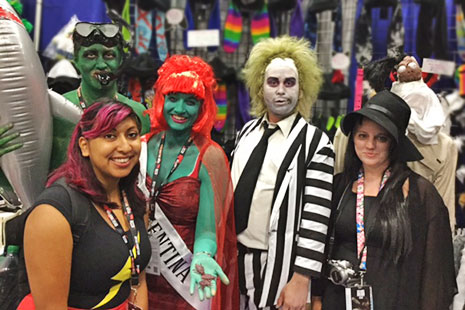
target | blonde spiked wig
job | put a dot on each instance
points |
(310, 75)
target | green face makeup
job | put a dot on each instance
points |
(98, 65)
(181, 110)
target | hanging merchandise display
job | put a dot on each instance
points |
(143, 29)
(214, 22)
(160, 35)
(380, 3)
(148, 5)
(297, 25)
(432, 36)
(396, 33)
(222, 105)
(225, 77)
(460, 32)
(363, 35)
(248, 5)
(279, 5)
(316, 6)
(175, 14)
(232, 29)
(260, 25)
(363, 44)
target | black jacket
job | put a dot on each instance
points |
(425, 278)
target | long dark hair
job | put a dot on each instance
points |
(392, 217)
(100, 118)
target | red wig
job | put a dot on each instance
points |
(188, 75)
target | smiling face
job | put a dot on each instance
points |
(114, 154)
(98, 65)
(372, 143)
(181, 111)
(281, 88)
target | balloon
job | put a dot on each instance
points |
(24, 101)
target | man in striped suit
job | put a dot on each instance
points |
(282, 198)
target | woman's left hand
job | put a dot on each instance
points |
(204, 271)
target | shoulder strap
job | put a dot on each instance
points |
(80, 211)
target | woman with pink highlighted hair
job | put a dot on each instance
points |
(85, 241)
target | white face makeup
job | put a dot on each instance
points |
(281, 88)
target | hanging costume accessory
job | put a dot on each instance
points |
(297, 24)
(155, 190)
(360, 213)
(460, 32)
(222, 105)
(432, 35)
(260, 26)
(232, 29)
(248, 180)
(143, 29)
(363, 33)
(390, 112)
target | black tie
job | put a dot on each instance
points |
(246, 185)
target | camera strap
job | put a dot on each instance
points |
(332, 229)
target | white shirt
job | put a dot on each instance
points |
(256, 234)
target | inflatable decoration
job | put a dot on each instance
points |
(25, 101)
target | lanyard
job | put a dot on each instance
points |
(156, 171)
(82, 103)
(135, 264)
(360, 213)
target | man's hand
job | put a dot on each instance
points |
(5, 147)
(294, 294)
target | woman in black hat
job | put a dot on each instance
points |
(389, 224)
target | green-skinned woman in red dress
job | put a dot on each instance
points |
(186, 176)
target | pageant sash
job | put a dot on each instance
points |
(175, 258)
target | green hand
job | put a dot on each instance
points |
(210, 267)
(5, 146)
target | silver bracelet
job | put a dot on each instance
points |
(203, 252)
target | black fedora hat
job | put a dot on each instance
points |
(390, 112)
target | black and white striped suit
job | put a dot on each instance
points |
(300, 208)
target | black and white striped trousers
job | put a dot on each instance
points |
(251, 265)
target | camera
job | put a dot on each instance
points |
(341, 272)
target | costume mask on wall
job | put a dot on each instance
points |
(281, 88)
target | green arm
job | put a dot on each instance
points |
(5, 146)
(205, 240)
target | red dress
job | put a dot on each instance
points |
(179, 200)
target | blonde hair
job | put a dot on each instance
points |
(310, 74)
